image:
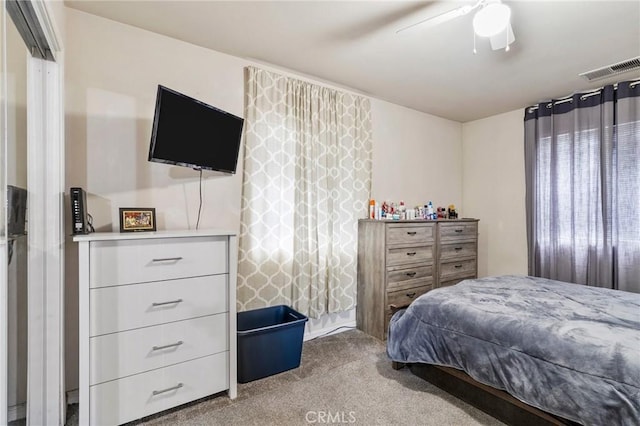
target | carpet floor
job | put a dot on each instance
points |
(344, 378)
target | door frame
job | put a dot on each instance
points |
(45, 184)
(45, 158)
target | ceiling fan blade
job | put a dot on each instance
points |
(443, 17)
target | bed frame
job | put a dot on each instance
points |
(495, 402)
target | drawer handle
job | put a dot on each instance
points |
(457, 266)
(413, 253)
(167, 259)
(457, 248)
(411, 295)
(172, 345)
(170, 302)
(411, 274)
(412, 233)
(395, 308)
(458, 230)
(172, 388)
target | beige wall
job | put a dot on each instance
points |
(111, 75)
(494, 189)
(416, 158)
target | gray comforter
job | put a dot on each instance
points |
(568, 349)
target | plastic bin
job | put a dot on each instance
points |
(269, 341)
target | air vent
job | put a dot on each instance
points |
(620, 67)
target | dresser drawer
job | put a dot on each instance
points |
(127, 353)
(463, 268)
(457, 231)
(402, 278)
(409, 234)
(136, 261)
(114, 309)
(120, 401)
(406, 255)
(404, 298)
(457, 250)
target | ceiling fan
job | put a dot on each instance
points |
(492, 20)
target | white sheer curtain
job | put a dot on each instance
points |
(582, 159)
(307, 179)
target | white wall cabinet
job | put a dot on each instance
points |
(157, 321)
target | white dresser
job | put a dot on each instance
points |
(157, 324)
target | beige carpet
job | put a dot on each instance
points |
(343, 379)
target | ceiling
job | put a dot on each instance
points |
(430, 69)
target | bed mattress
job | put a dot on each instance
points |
(568, 349)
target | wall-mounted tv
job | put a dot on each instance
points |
(187, 132)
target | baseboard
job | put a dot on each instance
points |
(327, 331)
(73, 396)
(330, 324)
(17, 412)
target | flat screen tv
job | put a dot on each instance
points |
(187, 132)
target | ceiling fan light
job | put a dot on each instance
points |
(491, 19)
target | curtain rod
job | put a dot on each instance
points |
(584, 96)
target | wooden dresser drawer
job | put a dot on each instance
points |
(457, 250)
(410, 234)
(458, 231)
(404, 297)
(120, 401)
(136, 261)
(136, 351)
(408, 277)
(121, 308)
(462, 268)
(406, 255)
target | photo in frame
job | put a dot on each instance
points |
(137, 219)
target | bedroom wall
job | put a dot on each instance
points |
(416, 158)
(494, 189)
(112, 72)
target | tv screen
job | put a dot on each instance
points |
(190, 133)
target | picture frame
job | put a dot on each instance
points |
(137, 219)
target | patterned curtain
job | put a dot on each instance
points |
(307, 179)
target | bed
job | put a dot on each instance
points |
(569, 350)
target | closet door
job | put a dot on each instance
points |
(3, 232)
(14, 191)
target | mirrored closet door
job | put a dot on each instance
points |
(14, 229)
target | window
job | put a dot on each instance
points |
(583, 188)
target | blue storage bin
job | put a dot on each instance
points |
(269, 341)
